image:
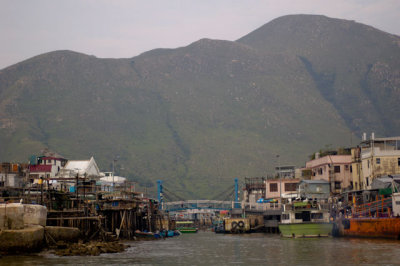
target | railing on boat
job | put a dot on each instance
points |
(378, 208)
(262, 206)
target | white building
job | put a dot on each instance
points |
(84, 168)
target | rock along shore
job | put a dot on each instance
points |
(93, 248)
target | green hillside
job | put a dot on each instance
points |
(199, 116)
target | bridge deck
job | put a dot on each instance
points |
(198, 204)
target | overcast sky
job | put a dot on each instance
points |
(117, 28)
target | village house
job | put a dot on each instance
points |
(333, 168)
(356, 171)
(254, 190)
(376, 157)
(314, 189)
(12, 175)
(45, 167)
(285, 171)
(109, 181)
(278, 188)
(84, 172)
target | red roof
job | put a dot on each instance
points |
(40, 168)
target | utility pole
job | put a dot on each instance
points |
(76, 190)
(280, 179)
(41, 190)
(113, 171)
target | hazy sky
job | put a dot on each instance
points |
(119, 28)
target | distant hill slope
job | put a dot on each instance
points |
(199, 116)
(354, 66)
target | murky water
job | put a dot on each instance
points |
(207, 248)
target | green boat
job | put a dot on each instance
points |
(303, 219)
(185, 227)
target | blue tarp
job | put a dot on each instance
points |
(261, 200)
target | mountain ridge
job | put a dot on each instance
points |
(200, 115)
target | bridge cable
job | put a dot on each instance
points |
(223, 193)
(173, 194)
(230, 196)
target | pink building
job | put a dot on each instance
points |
(336, 169)
(275, 186)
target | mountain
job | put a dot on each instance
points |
(201, 115)
(354, 66)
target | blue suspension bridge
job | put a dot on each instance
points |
(226, 200)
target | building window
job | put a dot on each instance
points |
(378, 160)
(346, 167)
(49, 161)
(273, 187)
(317, 216)
(285, 216)
(398, 161)
(351, 169)
(338, 185)
(337, 169)
(290, 186)
(320, 171)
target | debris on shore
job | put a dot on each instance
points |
(92, 248)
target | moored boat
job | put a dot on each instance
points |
(147, 235)
(186, 227)
(375, 219)
(305, 219)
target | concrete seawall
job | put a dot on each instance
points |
(22, 227)
(67, 234)
(28, 239)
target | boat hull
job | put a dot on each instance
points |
(306, 229)
(370, 227)
(187, 230)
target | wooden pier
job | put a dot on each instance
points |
(97, 214)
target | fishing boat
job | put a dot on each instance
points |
(169, 233)
(186, 227)
(147, 235)
(378, 218)
(218, 226)
(305, 219)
